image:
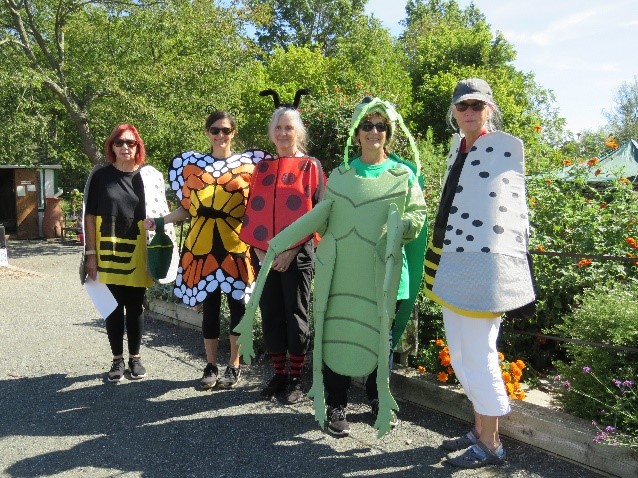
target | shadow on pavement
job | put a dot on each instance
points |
(19, 249)
(240, 444)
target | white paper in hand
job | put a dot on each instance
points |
(101, 296)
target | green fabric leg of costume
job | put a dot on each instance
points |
(357, 273)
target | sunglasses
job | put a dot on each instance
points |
(131, 143)
(214, 130)
(480, 106)
(367, 126)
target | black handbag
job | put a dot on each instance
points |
(528, 310)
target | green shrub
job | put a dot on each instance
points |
(600, 383)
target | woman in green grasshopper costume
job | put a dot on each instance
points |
(371, 207)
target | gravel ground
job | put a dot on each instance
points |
(59, 417)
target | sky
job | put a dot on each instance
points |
(582, 50)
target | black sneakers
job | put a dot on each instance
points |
(275, 385)
(137, 369)
(337, 423)
(209, 379)
(294, 393)
(232, 377)
(117, 370)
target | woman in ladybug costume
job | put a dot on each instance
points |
(282, 190)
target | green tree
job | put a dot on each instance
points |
(35, 33)
(74, 70)
(623, 119)
(314, 23)
(445, 43)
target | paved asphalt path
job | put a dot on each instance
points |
(59, 417)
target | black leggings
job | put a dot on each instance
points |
(129, 311)
(285, 305)
(211, 317)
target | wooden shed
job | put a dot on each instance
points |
(30, 201)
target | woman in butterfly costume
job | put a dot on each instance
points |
(371, 207)
(212, 190)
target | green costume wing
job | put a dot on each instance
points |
(415, 255)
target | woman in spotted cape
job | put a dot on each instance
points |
(476, 263)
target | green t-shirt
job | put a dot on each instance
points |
(374, 171)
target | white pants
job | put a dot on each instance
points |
(472, 345)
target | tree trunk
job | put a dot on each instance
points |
(78, 116)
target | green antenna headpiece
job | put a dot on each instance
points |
(376, 105)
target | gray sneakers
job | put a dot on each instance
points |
(232, 376)
(209, 379)
(460, 443)
(117, 370)
(337, 423)
(477, 456)
(136, 368)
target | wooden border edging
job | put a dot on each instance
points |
(550, 430)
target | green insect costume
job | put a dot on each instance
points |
(357, 271)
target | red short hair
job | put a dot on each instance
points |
(140, 151)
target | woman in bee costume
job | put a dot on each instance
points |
(118, 198)
(371, 207)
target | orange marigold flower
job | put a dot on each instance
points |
(540, 248)
(567, 162)
(501, 357)
(520, 395)
(583, 262)
(450, 370)
(598, 172)
(514, 368)
(506, 377)
(592, 162)
(631, 241)
(532, 201)
(538, 128)
(611, 143)
(548, 181)
(445, 361)
(603, 205)
(421, 369)
(442, 377)
(520, 364)
(439, 343)
(509, 387)
(624, 181)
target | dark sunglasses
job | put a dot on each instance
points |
(131, 143)
(480, 106)
(367, 126)
(214, 130)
